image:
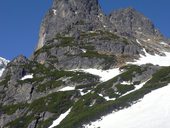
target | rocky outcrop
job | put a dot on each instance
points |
(130, 22)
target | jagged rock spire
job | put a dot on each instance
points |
(66, 14)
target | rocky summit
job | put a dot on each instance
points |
(86, 65)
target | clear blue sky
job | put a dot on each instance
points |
(20, 21)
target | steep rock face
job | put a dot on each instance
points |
(15, 70)
(70, 17)
(130, 22)
(77, 34)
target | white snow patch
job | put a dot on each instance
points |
(138, 41)
(27, 77)
(104, 26)
(55, 12)
(104, 75)
(153, 59)
(3, 64)
(137, 87)
(106, 97)
(1, 71)
(151, 112)
(76, 12)
(139, 28)
(148, 39)
(68, 88)
(84, 50)
(91, 31)
(163, 43)
(126, 83)
(3, 61)
(60, 118)
(83, 93)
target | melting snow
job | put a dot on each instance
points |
(148, 39)
(68, 88)
(104, 75)
(60, 118)
(126, 83)
(3, 61)
(76, 12)
(137, 87)
(153, 59)
(84, 50)
(106, 97)
(27, 77)
(138, 41)
(55, 12)
(1, 71)
(83, 93)
(153, 111)
(163, 43)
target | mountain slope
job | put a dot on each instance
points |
(151, 112)
(86, 66)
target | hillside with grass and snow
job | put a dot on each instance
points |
(89, 70)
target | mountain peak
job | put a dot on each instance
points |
(86, 6)
(19, 60)
(69, 14)
(130, 9)
(129, 21)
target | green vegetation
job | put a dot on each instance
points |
(65, 41)
(82, 113)
(128, 73)
(81, 22)
(55, 103)
(90, 106)
(87, 86)
(88, 47)
(22, 122)
(5, 80)
(45, 79)
(85, 109)
(49, 85)
(10, 109)
(44, 49)
(102, 35)
(108, 59)
(122, 89)
(81, 76)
